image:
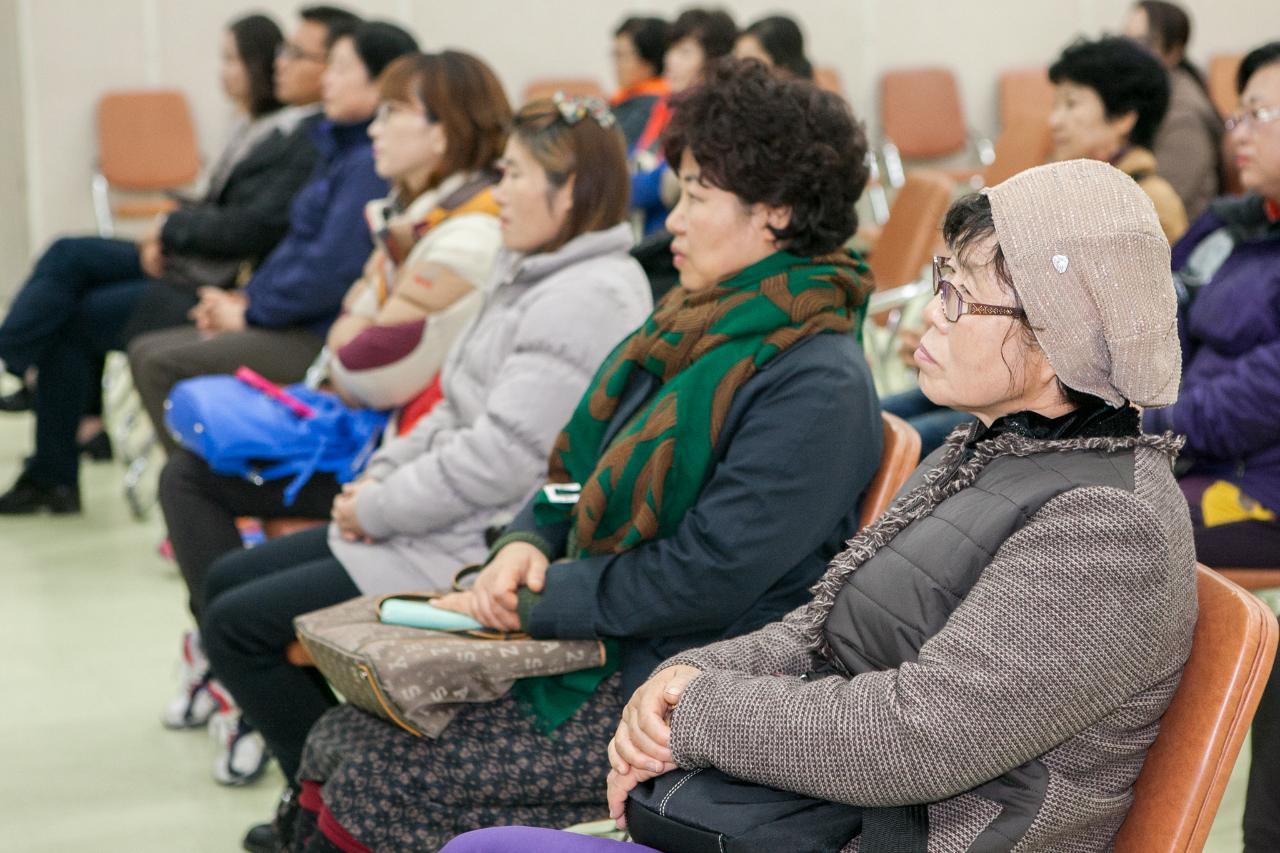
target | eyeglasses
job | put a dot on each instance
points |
(289, 51)
(954, 305)
(389, 109)
(1252, 118)
(574, 109)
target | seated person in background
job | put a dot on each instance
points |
(638, 46)
(696, 39)
(1110, 97)
(276, 325)
(439, 131)
(77, 304)
(563, 292)
(1228, 268)
(753, 486)
(777, 42)
(1188, 145)
(986, 666)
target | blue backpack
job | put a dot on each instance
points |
(240, 430)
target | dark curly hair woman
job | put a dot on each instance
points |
(704, 449)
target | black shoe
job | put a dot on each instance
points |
(27, 497)
(262, 839)
(19, 401)
(98, 448)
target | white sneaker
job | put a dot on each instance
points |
(242, 753)
(195, 702)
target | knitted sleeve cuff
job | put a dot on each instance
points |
(528, 536)
(526, 599)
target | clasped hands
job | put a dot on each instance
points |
(219, 311)
(641, 747)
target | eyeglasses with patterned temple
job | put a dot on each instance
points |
(292, 52)
(954, 306)
(1252, 118)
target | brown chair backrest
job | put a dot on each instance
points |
(1024, 94)
(907, 241)
(900, 456)
(1186, 771)
(920, 113)
(1023, 143)
(571, 86)
(146, 140)
(1222, 82)
(827, 78)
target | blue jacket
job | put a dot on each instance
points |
(302, 282)
(800, 444)
(1230, 396)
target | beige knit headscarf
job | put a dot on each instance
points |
(1091, 267)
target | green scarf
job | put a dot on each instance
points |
(703, 346)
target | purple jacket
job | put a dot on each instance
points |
(1229, 405)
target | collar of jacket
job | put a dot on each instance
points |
(332, 138)
(520, 267)
(1084, 422)
(1246, 217)
(1135, 161)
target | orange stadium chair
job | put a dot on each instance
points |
(572, 86)
(922, 119)
(146, 145)
(1181, 784)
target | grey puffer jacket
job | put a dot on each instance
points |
(510, 383)
(1007, 635)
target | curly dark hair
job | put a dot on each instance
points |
(1126, 76)
(778, 141)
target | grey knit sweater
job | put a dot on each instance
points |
(1065, 652)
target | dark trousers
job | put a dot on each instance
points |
(159, 360)
(1239, 545)
(200, 509)
(251, 598)
(69, 314)
(933, 422)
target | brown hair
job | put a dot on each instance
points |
(593, 155)
(460, 92)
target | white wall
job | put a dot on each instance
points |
(73, 50)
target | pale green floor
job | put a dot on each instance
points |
(89, 623)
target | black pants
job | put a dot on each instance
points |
(201, 507)
(251, 598)
(66, 317)
(1262, 803)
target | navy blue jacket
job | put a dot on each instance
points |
(302, 282)
(800, 444)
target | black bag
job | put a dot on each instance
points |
(706, 811)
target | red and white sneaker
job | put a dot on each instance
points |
(195, 702)
(242, 753)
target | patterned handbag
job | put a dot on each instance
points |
(419, 678)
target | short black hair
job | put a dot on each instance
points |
(1254, 61)
(336, 20)
(781, 38)
(714, 29)
(649, 35)
(743, 123)
(1126, 76)
(379, 43)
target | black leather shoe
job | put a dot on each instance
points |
(98, 448)
(27, 498)
(19, 401)
(262, 839)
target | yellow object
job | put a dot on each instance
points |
(1224, 503)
